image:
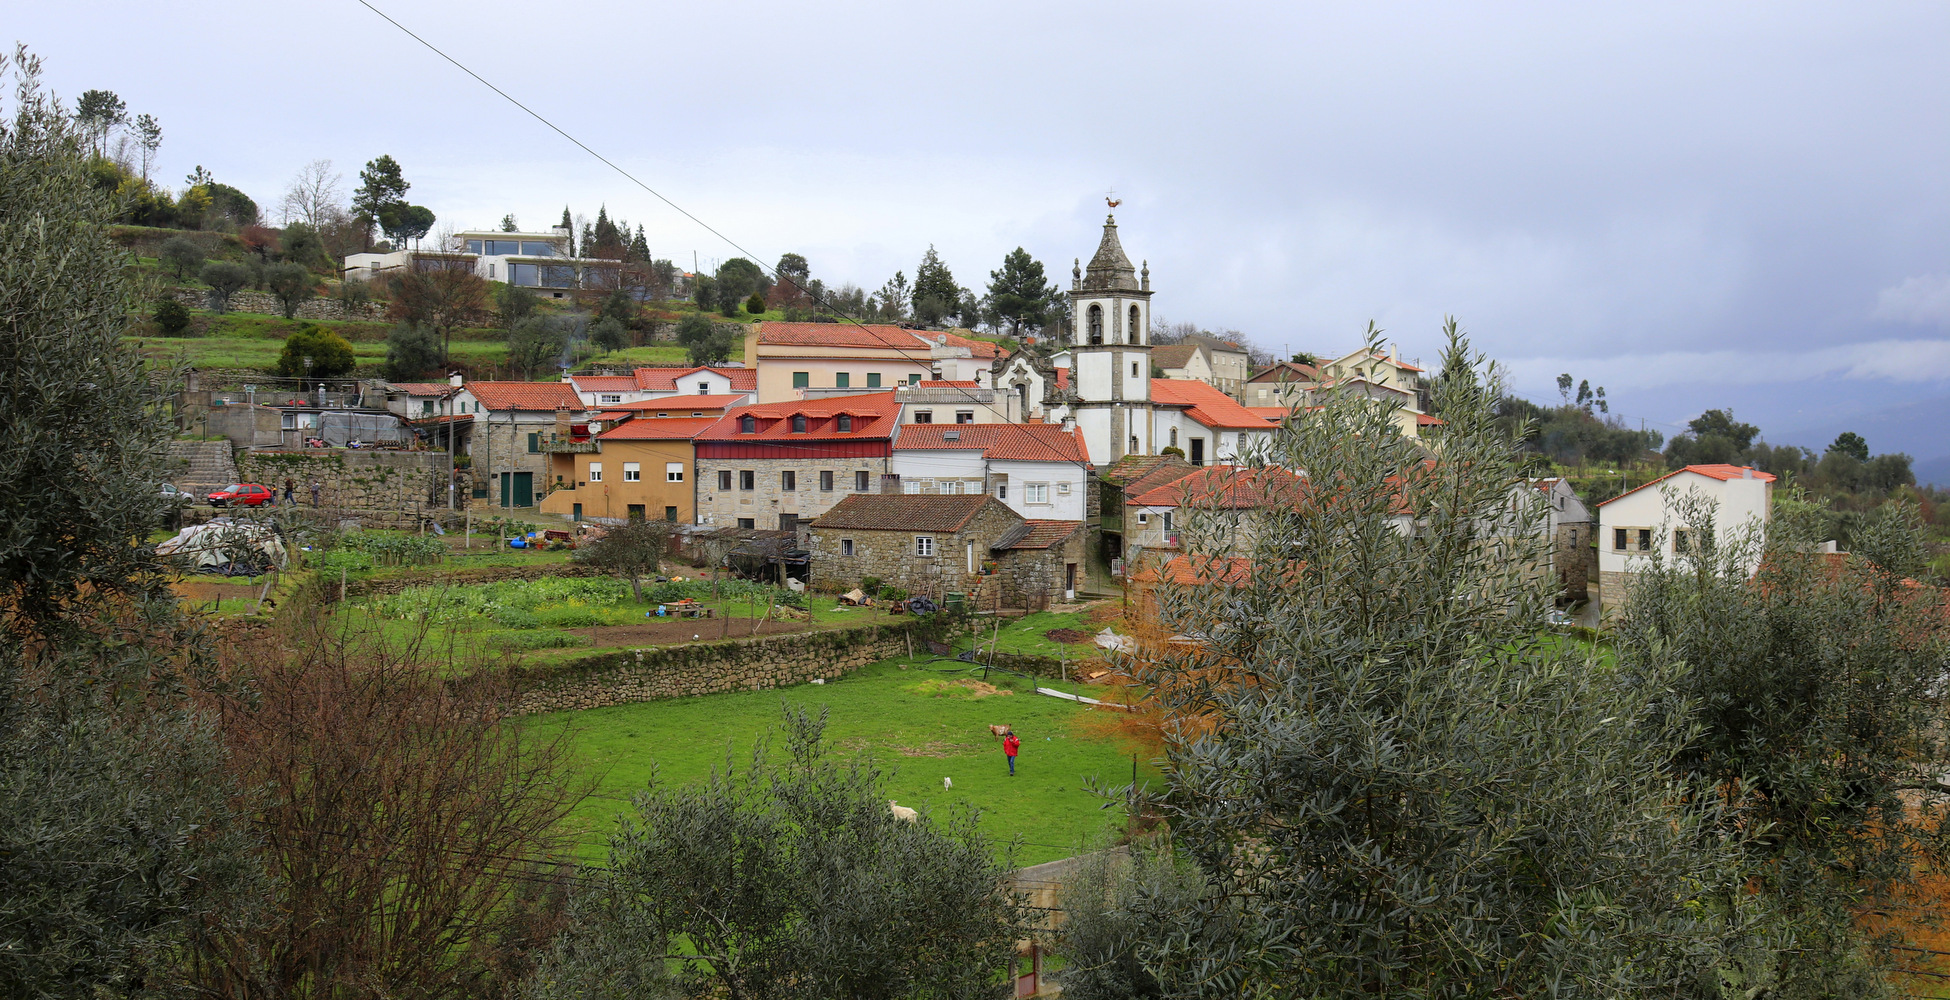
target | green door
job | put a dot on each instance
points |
(524, 489)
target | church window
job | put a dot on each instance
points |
(1174, 437)
(1096, 324)
(1134, 444)
(1132, 333)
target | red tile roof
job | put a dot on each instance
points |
(875, 416)
(604, 383)
(424, 388)
(1039, 534)
(1205, 404)
(1136, 473)
(1723, 473)
(658, 429)
(949, 384)
(1428, 420)
(1286, 371)
(526, 395)
(1224, 486)
(872, 336)
(1271, 414)
(977, 348)
(665, 379)
(905, 512)
(1004, 442)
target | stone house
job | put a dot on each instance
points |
(1284, 384)
(1213, 511)
(937, 545)
(1039, 470)
(1220, 364)
(1128, 477)
(775, 465)
(514, 425)
(1571, 538)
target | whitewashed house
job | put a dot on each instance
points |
(1040, 470)
(1640, 524)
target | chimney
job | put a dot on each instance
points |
(454, 379)
(562, 428)
(1069, 424)
(1746, 473)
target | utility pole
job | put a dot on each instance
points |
(446, 406)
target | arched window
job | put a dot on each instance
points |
(1133, 334)
(747, 425)
(798, 423)
(846, 423)
(1096, 324)
(1134, 444)
(1174, 437)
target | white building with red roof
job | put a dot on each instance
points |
(793, 357)
(1204, 423)
(1039, 470)
(1649, 522)
(602, 391)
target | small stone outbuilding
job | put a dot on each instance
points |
(934, 545)
(1041, 562)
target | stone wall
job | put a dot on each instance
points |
(1614, 592)
(634, 675)
(252, 301)
(1572, 554)
(382, 489)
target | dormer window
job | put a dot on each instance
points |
(747, 425)
(798, 423)
(704, 388)
(846, 423)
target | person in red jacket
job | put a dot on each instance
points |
(1010, 744)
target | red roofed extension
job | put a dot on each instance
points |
(1002, 442)
(1205, 404)
(658, 429)
(526, 395)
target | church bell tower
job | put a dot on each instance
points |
(1111, 305)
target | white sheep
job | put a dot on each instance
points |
(902, 812)
(947, 783)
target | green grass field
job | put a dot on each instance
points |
(918, 735)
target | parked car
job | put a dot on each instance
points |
(242, 495)
(173, 497)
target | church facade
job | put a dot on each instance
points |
(1111, 356)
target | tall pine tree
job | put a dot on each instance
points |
(568, 226)
(935, 293)
(1018, 295)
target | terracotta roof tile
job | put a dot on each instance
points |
(875, 416)
(526, 395)
(1286, 371)
(423, 388)
(1173, 355)
(1137, 473)
(1224, 486)
(869, 335)
(1723, 473)
(1207, 405)
(905, 512)
(665, 379)
(1005, 442)
(657, 429)
(716, 402)
(604, 383)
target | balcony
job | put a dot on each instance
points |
(554, 444)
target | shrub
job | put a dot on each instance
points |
(893, 593)
(755, 304)
(171, 318)
(610, 334)
(568, 618)
(329, 353)
(1172, 449)
(870, 586)
(411, 352)
(353, 296)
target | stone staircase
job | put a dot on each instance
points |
(200, 467)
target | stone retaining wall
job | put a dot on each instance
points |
(380, 488)
(632, 675)
(252, 301)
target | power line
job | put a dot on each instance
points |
(660, 197)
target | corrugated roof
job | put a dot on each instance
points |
(1005, 442)
(657, 429)
(1207, 405)
(905, 512)
(423, 388)
(875, 415)
(526, 395)
(1721, 472)
(1037, 534)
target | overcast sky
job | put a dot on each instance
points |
(1693, 205)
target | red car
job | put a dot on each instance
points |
(242, 495)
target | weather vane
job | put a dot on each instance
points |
(1112, 199)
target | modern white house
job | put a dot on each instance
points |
(1641, 524)
(1040, 470)
(645, 384)
(537, 260)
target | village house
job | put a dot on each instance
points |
(642, 468)
(1222, 505)
(1642, 524)
(514, 427)
(793, 357)
(1571, 539)
(774, 465)
(1038, 388)
(1041, 471)
(665, 383)
(1284, 384)
(1220, 364)
(538, 260)
(937, 545)
(1204, 423)
(1128, 477)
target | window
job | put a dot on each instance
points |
(704, 388)
(924, 416)
(923, 545)
(673, 472)
(1134, 444)
(801, 380)
(1174, 437)
(1035, 493)
(426, 407)
(636, 512)
(595, 472)
(1134, 373)
(1002, 491)
(666, 414)
(826, 481)
(1144, 518)
(788, 480)
(633, 472)
(843, 380)
(724, 479)
(1618, 539)
(1631, 539)
(748, 424)
(1063, 489)
(798, 423)
(694, 413)
(747, 479)
(670, 514)
(860, 481)
(610, 397)
(964, 416)
(747, 523)
(846, 546)
(1166, 517)
(1132, 333)
(534, 444)
(1645, 539)
(846, 423)
(1096, 325)
(873, 380)
(911, 485)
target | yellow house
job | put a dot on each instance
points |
(791, 357)
(642, 468)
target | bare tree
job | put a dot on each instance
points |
(148, 135)
(313, 194)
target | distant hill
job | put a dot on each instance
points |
(1933, 471)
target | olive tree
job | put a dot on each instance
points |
(1393, 779)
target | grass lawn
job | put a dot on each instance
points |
(917, 735)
